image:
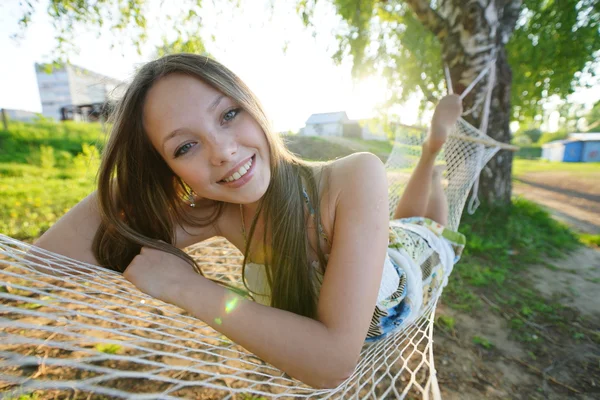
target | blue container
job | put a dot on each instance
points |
(573, 151)
(591, 151)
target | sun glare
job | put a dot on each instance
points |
(366, 97)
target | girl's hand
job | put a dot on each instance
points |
(447, 111)
(159, 274)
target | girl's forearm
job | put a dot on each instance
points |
(300, 346)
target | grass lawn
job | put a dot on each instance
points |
(521, 167)
(34, 198)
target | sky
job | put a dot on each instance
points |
(291, 85)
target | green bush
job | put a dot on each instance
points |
(88, 160)
(22, 139)
(33, 198)
(529, 152)
(43, 157)
(521, 140)
(552, 136)
(533, 134)
(64, 159)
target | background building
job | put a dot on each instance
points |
(338, 124)
(579, 147)
(70, 86)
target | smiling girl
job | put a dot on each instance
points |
(192, 156)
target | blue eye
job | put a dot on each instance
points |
(180, 152)
(236, 111)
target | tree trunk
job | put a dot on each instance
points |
(495, 184)
(475, 36)
(472, 32)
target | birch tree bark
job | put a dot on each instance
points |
(472, 33)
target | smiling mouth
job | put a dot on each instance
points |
(241, 172)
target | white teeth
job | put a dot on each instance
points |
(240, 172)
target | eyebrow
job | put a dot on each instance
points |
(176, 132)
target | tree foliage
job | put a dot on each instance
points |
(552, 136)
(126, 20)
(554, 49)
(593, 118)
(180, 45)
(533, 134)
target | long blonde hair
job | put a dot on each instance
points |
(141, 200)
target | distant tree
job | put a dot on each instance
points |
(593, 118)
(179, 45)
(125, 19)
(533, 134)
(552, 136)
(520, 139)
(554, 50)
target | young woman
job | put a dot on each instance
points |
(191, 156)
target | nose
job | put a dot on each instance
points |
(223, 148)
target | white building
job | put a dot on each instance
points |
(338, 124)
(578, 147)
(326, 124)
(72, 85)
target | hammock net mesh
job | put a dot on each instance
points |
(68, 327)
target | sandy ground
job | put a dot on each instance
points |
(467, 371)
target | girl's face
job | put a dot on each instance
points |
(207, 139)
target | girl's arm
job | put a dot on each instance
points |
(321, 353)
(72, 235)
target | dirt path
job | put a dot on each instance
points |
(574, 201)
(505, 371)
(468, 371)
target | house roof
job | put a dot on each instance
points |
(555, 143)
(327, 118)
(575, 137)
(584, 137)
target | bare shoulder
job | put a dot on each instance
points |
(354, 170)
(357, 174)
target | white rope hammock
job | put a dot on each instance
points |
(67, 325)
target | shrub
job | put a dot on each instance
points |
(552, 136)
(64, 159)
(21, 139)
(43, 157)
(88, 160)
(529, 152)
(533, 134)
(521, 140)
